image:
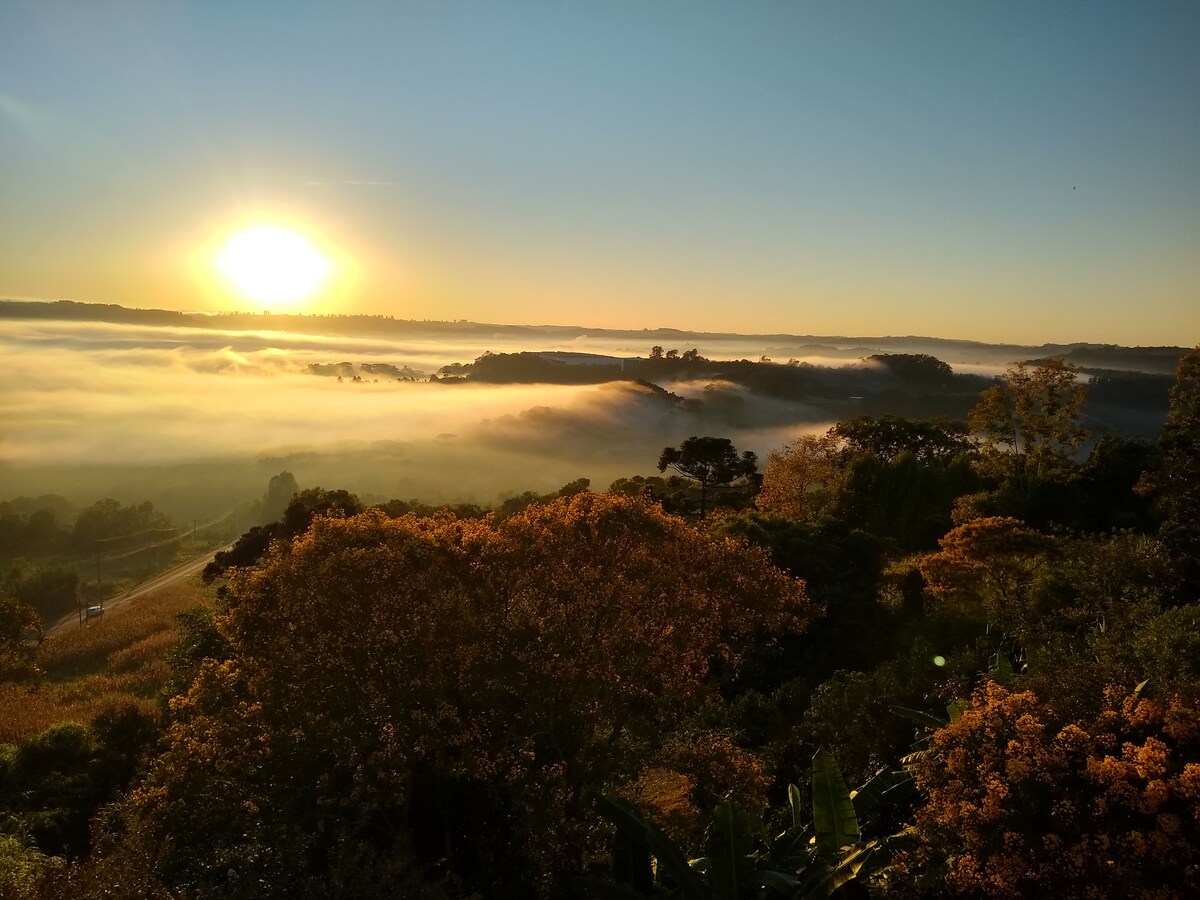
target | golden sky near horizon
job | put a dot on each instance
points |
(993, 172)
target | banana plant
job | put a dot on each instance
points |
(822, 850)
(920, 747)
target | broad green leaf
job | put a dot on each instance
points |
(731, 844)
(848, 868)
(789, 846)
(956, 708)
(1000, 667)
(917, 756)
(777, 883)
(834, 820)
(1138, 690)
(868, 797)
(796, 802)
(671, 860)
(915, 715)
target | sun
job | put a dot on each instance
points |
(272, 265)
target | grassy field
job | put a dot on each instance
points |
(120, 659)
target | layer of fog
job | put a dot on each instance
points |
(198, 420)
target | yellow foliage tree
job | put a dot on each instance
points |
(803, 479)
(988, 564)
(460, 684)
(1030, 420)
(1021, 804)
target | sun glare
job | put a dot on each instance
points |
(273, 265)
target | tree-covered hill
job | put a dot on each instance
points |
(990, 629)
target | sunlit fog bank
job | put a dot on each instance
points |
(198, 420)
(158, 404)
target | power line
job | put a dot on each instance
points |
(163, 543)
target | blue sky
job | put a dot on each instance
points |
(996, 171)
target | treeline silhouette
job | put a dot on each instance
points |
(1159, 360)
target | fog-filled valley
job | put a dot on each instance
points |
(197, 417)
(599, 451)
(353, 606)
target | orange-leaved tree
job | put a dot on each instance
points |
(1022, 804)
(802, 480)
(450, 689)
(989, 565)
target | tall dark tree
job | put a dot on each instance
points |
(1109, 486)
(17, 621)
(1179, 479)
(710, 462)
(52, 590)
(108, 520)
(299, 515)
(280, 491)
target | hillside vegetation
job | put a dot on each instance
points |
(905, 657)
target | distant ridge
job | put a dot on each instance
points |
(1161, 360)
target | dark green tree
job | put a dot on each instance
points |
(280, 491)
(1107, 494)
(305, 506)
(42, 532)
(916, 368)
(17, 621)
(108, 520)
(1179, 479)
(710, 462)
(888, 436)
(840, 566)
(52, 591)
(902, 498)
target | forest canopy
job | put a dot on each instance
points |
(457, 673)
(672, 687)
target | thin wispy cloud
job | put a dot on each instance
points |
(355, 182)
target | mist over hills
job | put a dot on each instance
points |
(196, 412)
(1161, 360)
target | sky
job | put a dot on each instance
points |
(996, 171)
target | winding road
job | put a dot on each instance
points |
(178, 573)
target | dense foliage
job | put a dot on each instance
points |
(451, 689)
(994, 630)
(1021, 803)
